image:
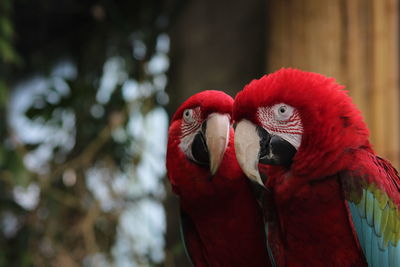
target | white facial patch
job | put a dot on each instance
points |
(282, 120)
(191, 125)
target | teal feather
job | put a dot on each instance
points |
(377, 218)
(368, 234)
(394, 256)
(375, 251)
(376, 254)
(384, 258)
(357, 224)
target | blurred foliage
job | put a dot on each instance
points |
(70, 46)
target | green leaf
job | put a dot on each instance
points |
(21, 176)
(3, 94)
(7, 53)
(6, 28)
(2, 157)
(25, 260)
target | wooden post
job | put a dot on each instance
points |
(354, 41)
(385, 72)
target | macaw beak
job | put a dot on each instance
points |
(247, 147)
(253, 144)
(217, 137)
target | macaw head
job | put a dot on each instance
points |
(299, 121)
(198, 137)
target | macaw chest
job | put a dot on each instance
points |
(315, 224)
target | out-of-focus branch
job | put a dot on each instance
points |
(85, 159)
(87, 228)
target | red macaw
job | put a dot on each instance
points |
(336, 203)
(222, 223)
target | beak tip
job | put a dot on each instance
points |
(256, 177)
(214, 166)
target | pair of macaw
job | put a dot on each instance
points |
(326, 198)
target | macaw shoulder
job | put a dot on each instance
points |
(372, 173)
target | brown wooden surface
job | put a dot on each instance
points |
(354, 41)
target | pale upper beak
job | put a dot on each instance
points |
(247, 146)
(217, 137)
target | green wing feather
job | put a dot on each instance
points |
(372, 196)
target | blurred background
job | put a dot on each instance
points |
(87, 89)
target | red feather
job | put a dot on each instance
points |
(310, 198)
(225, 222)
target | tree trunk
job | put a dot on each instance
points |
(354, 41)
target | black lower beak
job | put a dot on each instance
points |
(275, 150)
(199, 147)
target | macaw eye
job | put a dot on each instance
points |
(188, 115)
(282, 111)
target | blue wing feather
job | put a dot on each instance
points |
(357, 224)
(394, 255)
(377, 251)
(372, 193)
(369, 207)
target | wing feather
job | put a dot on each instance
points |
(369, 207)
(394, 255)
(373, 197)
(375, 251)
(377, 219)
